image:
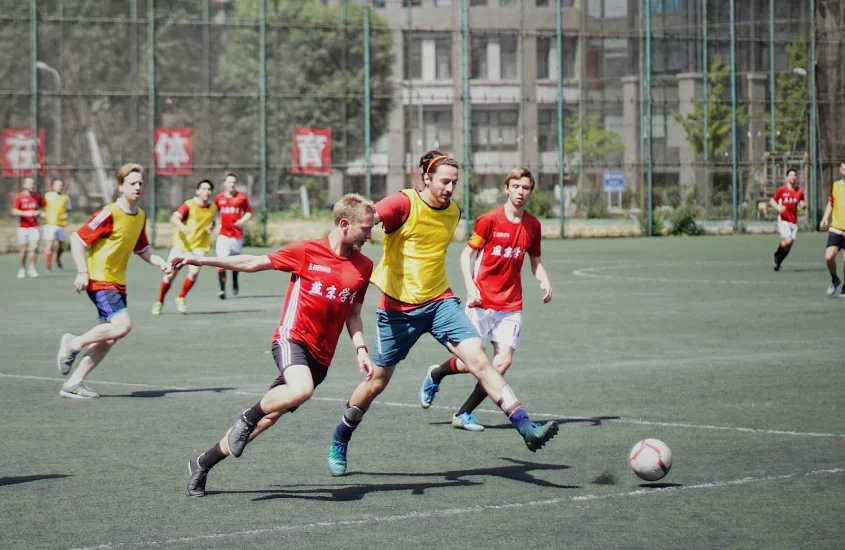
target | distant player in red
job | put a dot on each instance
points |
(501, 239)
(787, 200)
(28, 205)
(234, 211)
(329, 279)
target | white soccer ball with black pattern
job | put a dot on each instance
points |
(650, 459)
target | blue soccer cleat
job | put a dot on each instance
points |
(337, 457)
(466, 421)
(428, 389)
(538, 434)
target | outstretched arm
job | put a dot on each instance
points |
(355, 327)
(155, 260)
(242, 262)
(828, 210)
(473, 294)
(540, 274)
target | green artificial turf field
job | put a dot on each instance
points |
(694, 341)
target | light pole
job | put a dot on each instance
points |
(58, 80)
(800, 71)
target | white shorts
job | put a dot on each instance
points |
(501, 327)
(179, 253)
(787, 230)
(54, 233)
(28, 236)
(228, 246)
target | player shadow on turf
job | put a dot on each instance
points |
(26, 479)
(223, 312)
(162, 393)
(593, 421)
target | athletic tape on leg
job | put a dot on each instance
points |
(353, 415)
(508, 402)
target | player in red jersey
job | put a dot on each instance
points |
(501, 239)
(27, 206)
(234, 210)
(329, 279)
(787, 200)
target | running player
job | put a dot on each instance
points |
(27, 206)
(329, 279)
(834, 221)
(501, 239)
(111, 236)
(418, 227)
(234, 213)
(787, 200)
(194, 221)
(57, 205)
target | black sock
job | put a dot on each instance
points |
(784, 252)
(212, 457)
(235, 280)
(445, 369)
(255, 413)
(221, 276)
(475, 399)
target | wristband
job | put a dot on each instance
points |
(362, 346)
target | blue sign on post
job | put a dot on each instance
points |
(614, 182)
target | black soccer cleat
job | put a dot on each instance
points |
(199, 475)
(239, 434)
(538, 435)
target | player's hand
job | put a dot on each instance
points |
(365, 364)
(62, 216)
(179, 263)
(238, 223)
(80, 283)
(473, 296)
(166, 268)
(547, 292)
(185, 231)
(823, 224)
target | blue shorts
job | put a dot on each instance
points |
(109, 302)
(398, 331)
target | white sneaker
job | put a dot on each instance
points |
(22, 273)
(833, 284)
(78, 391)
(32, 273)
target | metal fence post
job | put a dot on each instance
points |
(151, 115)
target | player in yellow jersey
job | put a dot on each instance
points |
(834, 221)
(57, 205)
(194, 220)
(111, 235)
(418, 227)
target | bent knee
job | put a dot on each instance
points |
(301, 395)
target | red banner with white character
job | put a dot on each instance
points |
(174, 151)
(19, 152)
(312, 151)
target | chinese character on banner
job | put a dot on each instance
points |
(174, 151)
(312, 151)
(19, 152)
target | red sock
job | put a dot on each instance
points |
(186, 286)
(165, 286)
(48, 257)
(453, 365)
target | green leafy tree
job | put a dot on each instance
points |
(596, 142)
(791, 96)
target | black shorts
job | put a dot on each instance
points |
(288, 353)
(835, 239)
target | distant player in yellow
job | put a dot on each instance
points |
(194, 221)
(57, 206)
(834, 221)
(111, 235)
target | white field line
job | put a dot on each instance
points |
(589, 272)
(536, 414)
(280, 529)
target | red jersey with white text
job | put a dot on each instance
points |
(24, 201)
(789, 198)
(231, 209)
(323, 286)
(502, 245)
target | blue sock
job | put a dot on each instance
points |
(520, 420)
(343, 432)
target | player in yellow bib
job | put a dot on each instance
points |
(418, 227)
(194, 221)
(834, 221)
(56, 207)
(111, 235)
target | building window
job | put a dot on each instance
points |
(442, 3)
(436, 129)
(411, 3)
(547, 57)
(665, 6)
(478, 58)
(428, 56)
(508, 66)
(494, 57)
(616, 62)
(477, 2)
(564, 3)
(494, 130)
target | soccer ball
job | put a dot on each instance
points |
(650, 459)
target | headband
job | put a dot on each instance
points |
(432, 161)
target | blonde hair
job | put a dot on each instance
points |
(127, 169)
(518, 174)
(352, 207)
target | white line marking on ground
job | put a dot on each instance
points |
(589, 273)
(491, 411)
(458, 511)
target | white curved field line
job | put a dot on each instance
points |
(590, 272)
